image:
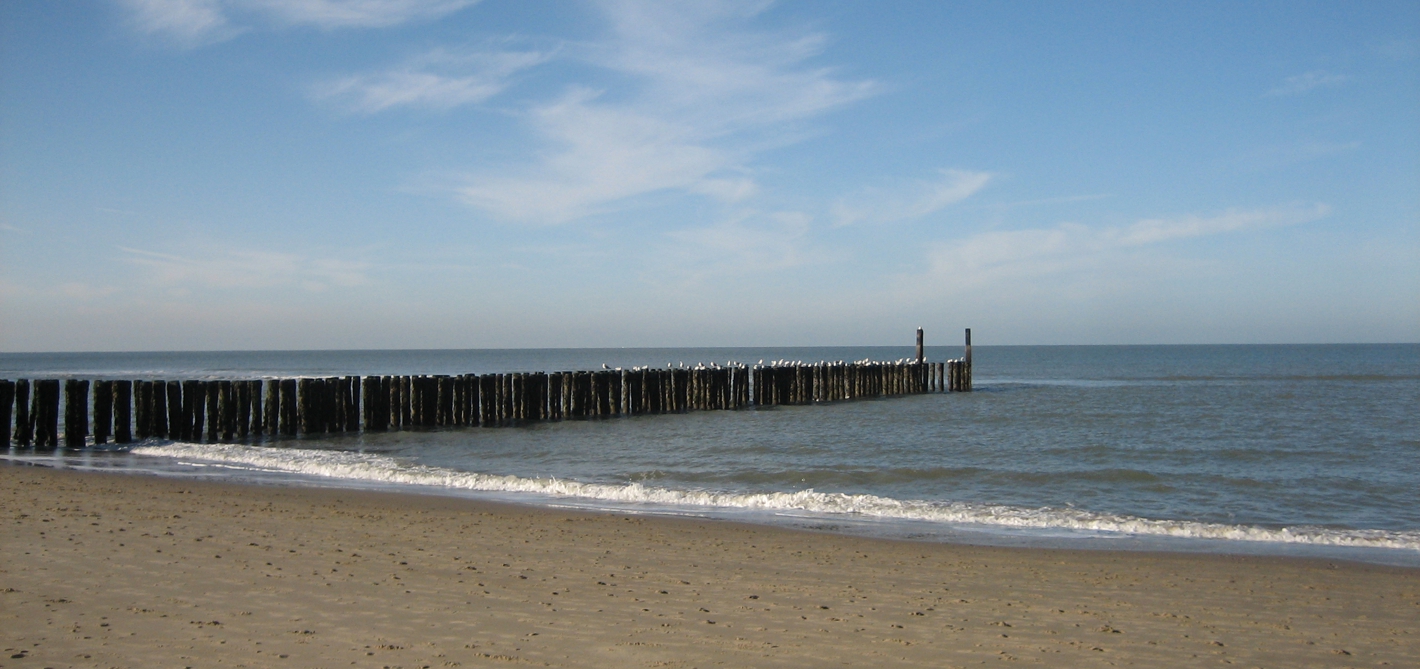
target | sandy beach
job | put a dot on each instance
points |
(107, 570)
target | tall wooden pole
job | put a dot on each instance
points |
(966, 384)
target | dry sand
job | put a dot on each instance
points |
(107, 570)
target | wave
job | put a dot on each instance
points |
(365, 467)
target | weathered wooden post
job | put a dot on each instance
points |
(227, 406)
(76, 412)
(7, 402)
(211, 391)
(258, 416)
(196, 392)
(269, 392)
(336, 392)
(23, 432)
(122, 412)
(142, 408)
(290, 408)
(966, 363)
(158, 409)
(369, 384)
(103, 412)
(185, 426)
(242, 390)
(47, 413)
(174, 408)
(460, 416)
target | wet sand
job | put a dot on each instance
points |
(111, 570)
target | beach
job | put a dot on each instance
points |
(118, 570)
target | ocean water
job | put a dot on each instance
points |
(1291, 450)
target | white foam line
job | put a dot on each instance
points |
(378, 468)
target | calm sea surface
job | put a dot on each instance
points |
(1309, 450)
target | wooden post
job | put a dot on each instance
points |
(183, 427)
(122, 412)
(258, 416)
(198, 394)
(7, 403)
(335, 394)
(389, 403)
(483, 406)
(621, 393)
(443, 400)
(405, 412)
(47, 413)
(24, 434)
(212, 391)
(227, 408)
(966, 363)
(172, 394)
(103, 412)
(475, 400)
(460, 386)
(158, 416)
(290, 407)
(446, 401)
(374, 398)
(242, 390)
(142, 407)
(76, 412)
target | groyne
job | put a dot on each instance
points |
(78, 413)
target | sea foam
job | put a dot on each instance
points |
(373, 468)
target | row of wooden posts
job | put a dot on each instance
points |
(197, 410)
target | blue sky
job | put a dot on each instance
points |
(268, 174)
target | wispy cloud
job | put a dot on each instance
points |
(246, 269)
(909, 200)
(1303, 83)
(331, 14)
(191, 23)
(706, 92)
(187, 22)
(747, 242)
(439, 80)
(1042, 251)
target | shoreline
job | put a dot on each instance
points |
(123, 570)
(917, 530)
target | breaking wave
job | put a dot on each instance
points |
(371, 468)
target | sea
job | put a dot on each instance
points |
(1295, 450)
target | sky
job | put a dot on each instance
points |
(393, 174)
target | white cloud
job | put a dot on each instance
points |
(997, 255)
(246, 269)
(747, 242)
(192, 23)
(1155, 230)
(608, 153)
(708, 93)
(910, 200)
(186, 22)
(1302, 83)
(437, 80)
(330, 14)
